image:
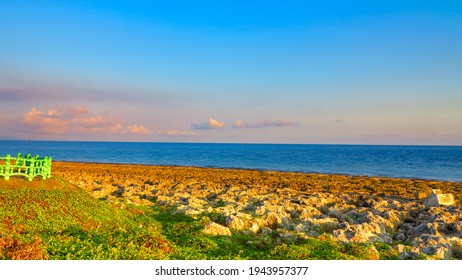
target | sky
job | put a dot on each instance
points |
(308, 72)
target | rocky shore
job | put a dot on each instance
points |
(419, 219)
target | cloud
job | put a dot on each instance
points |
(3, 119)
(30, 94)
(210, 124)
(44, 122)
(137, 129)
(74, 120)
(174, 132)
(53, 93)
(264, 123)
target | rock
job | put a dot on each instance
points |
(372, 253)
(216, 229)
(400, 236)
(255, 227)
(337, 211)
(309, 212)
(165, 200)
(212, 196)
(261, 210)
(266, 231)
(286, 223)
(192, 212)
(421, 194)
(400, 248)
(234, 222)
(183, 196)
(386, 238)
(313, 233)
(326, 224)
(300, 228)
(442, 253)
(248, 207)
(195, 202)
(434, 228)
(437, 252)
(272, 219)
(360, 233)
(437, 198)
(393, 218)
(408, 255)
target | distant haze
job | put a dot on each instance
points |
(366, 72)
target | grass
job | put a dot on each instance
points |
(65, 222)
(191, 243)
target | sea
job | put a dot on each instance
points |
(442, 163)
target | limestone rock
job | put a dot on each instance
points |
(326, 224)
(437, 252)
(235, 222)
(372, 253)
(408, 255)
(216, 229)
(266, 231)
(272, 219)
(437, 198)
(255, 227)
(421, 194)
(195, 202)
(400, 248)
(442, 253)
(309, 212)
(261, 210)
(361, 233)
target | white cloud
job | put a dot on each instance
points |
(210, 124)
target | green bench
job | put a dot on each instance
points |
(25, 166)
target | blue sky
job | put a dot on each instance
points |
(366, 72)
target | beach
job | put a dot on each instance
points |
(290, 206)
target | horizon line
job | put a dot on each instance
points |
(236, 143)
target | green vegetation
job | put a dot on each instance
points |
(67, 223)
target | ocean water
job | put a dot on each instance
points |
(423, 162)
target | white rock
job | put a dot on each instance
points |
(437, 198)
(216, 229)
(326, 224)
(235, 222)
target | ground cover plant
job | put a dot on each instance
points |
(54, 220)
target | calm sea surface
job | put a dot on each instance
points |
(425, 162)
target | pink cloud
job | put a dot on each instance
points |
(210, 124)
(137, 129)
(76, 120)
(3, 119)
(78, 111)
(44, 122)
(264, 123)
(239, 124)
(174, 132)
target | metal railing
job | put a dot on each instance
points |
(25, 166)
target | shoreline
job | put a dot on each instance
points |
(264, 170)
(300, 181)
